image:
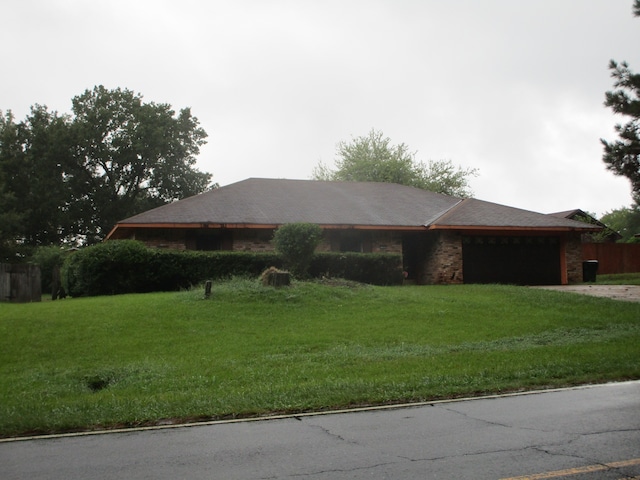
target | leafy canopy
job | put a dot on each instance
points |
(623, 155)
(70, 178)
(625, 221)
(132, 156)
(34, 195)
(373, 158)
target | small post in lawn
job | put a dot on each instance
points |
(207, 289)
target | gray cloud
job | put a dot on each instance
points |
(512, 88)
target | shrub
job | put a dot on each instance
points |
(175, 269)
(127, 266)
(296, 242)
(373, 268)
(50, 260)
(106, 269)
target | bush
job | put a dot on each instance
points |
(50, 260)
(176, 269)
(108, 268)
(373, 268)
(127, 266)
(296, 242)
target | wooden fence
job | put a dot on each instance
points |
(613, 257)
(20, 283)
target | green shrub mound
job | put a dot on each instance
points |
(296, 243)
(128, 266)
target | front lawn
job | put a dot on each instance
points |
(129, 360)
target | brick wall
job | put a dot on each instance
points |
(573, 253)
(259, 240)
(161, 238)
(443, 262)
(161, 243)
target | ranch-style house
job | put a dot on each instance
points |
(441, 239)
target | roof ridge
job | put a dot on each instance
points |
(447, 212)
(340, 182)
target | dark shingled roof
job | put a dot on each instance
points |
(259, 201)
(478, 213)
(581, 215)
(567, 213)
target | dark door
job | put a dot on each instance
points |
(523, 260)
(413, 255)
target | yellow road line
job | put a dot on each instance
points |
(576, 471)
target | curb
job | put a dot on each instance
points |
(372, 408)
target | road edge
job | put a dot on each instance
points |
(305, 414)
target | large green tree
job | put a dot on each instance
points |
(34, 199)
(72, 177)
(623, 155)
(373, 158)
(625, 221)
(130, 156)
(11, 216)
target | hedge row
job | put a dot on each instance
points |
(373, 268)
(127, 266)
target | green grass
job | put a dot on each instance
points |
(248, 350)
(619, 279)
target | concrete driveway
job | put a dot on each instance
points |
(629, 293)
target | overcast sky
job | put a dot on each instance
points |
(513, 88)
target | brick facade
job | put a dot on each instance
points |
(366, 241)
(259, 240)
(443, 260)
(432, 257)
(162, 238)
(573, 255)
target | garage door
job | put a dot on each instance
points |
(519, 260)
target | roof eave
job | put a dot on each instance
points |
(201, 225)
(513, 228)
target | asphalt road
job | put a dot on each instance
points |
(582, 433)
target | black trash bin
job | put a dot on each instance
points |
(589, 270)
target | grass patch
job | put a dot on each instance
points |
(619, 279)
(249, 350)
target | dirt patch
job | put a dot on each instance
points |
(629, 293)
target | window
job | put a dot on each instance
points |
(204, 239)
(355, 241)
